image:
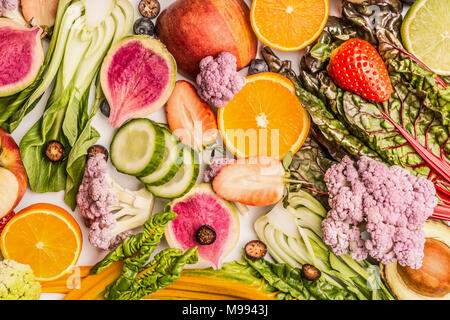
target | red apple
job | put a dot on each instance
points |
(194, 29)
(13, 177)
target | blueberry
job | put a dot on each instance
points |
(96, 149)
(205, 235)
(54, 151)
(149, 8)
(257, 66)
(144, 26)
(104, 108)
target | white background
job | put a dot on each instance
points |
(91, 255)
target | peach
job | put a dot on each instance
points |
(13, 177)
(194, 29)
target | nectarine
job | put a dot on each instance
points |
(194, 29)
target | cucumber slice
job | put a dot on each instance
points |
(170, 164)
(183, 181)
(137, 147)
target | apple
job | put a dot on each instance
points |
(13, 177)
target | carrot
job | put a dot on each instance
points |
(63, 284)
(93, 285)
(188, 286)
(175, 294)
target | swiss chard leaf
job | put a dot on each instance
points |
(324, 119)
(153, 231)
(308, 166)
(289, 280)
(162, 271)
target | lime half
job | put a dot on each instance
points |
(426, 33)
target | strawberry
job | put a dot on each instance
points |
(254, 181)
(189, 117)
(40, 12)
(356, 66)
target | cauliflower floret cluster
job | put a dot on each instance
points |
(110, 211)
(377, 211)
(17, 282)
(214, 168)
(10, 9)
(9, 4)
(218, 80)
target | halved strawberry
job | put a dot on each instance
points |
(189, 117)
(40, 12)
(356, 66)
(254, 181)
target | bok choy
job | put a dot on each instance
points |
(293, 235)
(83, 34)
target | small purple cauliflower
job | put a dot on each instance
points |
(110, 211)
(218, 80)
(214, 168)
(10, 9)
(377, 211)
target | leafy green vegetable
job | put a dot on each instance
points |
(293, 235)
(410, 130)
(16, 107)
(325, 120)
(153, 231)
(77, 50)
(162, 271)
(136, 249)
(369, 15)
(308, 166)
(289, 280)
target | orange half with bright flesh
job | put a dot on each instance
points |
(45, 237)
(264, 119)
(289, 25)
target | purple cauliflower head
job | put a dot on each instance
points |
(218, 80)
(9, 4)
(215, 166)
(388, 204)
(110, 211)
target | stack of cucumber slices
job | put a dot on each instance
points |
(149, 151)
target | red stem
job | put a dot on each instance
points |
(419, 62)
(441, 212)
(439, 166)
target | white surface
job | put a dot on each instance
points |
(91, 255)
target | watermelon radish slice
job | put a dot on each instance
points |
(137, 78)
(21, 56)
(201, 206)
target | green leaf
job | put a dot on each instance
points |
(129, 246)
(289, 280)
(287, 160)
(153, 231)
(162, 271)
(76, 164)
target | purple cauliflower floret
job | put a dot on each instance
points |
(10, 9)
(377, 211)
(214, 168)
(110, 211)
(218, 80)
(10, 4)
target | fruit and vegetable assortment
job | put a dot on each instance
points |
(348, 154)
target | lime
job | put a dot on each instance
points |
(426, 33)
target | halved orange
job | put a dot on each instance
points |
(45, 237)
(289, 25)
(265, 118)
